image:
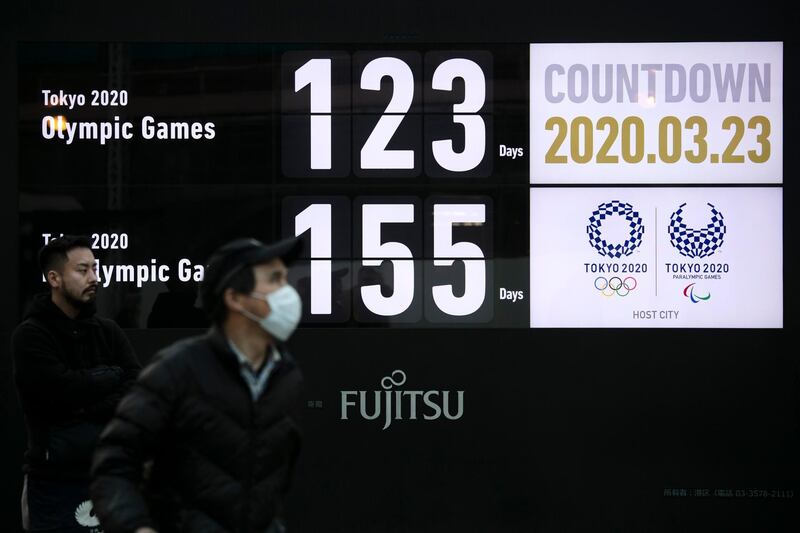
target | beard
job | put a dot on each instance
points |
(85, 301)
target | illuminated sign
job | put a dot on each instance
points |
(657, 113)
(432, 185)
(656, 257)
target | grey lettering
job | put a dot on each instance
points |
(553, 98)
(574, 96)
(675, 89)
(608, 83)
(651, 80)
(699, 93)
(763, 83)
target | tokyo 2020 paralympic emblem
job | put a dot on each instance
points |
(697, 242)
(605, 211)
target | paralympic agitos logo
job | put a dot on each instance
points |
(688, 292)
(394, 405)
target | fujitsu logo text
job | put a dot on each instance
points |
(402, 404)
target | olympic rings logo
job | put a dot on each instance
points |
(615, 285)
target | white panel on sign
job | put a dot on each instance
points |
(666, 113)
(657, 257)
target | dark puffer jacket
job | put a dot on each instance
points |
(220, 461)
(70, 374)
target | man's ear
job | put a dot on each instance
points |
(231, 298)
(53, 279)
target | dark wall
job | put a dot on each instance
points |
(563, 430)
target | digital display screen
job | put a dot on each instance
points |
(421, 180)
(403, 170)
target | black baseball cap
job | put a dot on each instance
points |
(231, 258)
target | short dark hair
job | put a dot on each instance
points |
(53, 255)
(242, 282)
(231, 266)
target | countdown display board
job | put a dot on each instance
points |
(522, 185)
(609, 117)
(671, 113)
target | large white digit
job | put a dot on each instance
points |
(317, 74)
(374, 153)
(444, 216)
(374, 253)
(316, 218)
(474, 127)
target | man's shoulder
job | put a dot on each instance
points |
(28, 327)
(286, 355)
(184, 352)
(109, 325)
(171, 365)
(32, 322)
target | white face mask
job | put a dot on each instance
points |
(286, 309)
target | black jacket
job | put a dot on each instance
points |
(70, 374)
(220, 461)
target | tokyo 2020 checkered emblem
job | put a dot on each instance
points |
(698, 243)
(605, 211)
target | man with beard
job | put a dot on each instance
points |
(70, 368)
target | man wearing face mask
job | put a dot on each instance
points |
(71, 368)
(210, 414)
